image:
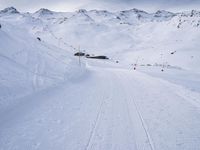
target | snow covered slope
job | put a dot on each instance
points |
(48, 102)
(111, 109)
(28, 65)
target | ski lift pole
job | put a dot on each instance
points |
(136, 63)
(163, 66)
(79, 57)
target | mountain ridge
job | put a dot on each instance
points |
(134, 10)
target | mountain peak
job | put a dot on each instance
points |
(44, 11)
(194, 13)
(82, 11)
(137, 10)
(11, 10)
(163, 13)
(134, 10)
(99, 11)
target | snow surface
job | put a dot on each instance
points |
(49, 101)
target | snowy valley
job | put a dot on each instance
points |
(49, 101)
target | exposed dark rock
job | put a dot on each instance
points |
(118, 18)
(10, 10)
(44, 11)
(39, 39)
(173, 52)
(82, 11)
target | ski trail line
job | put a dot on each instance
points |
(144, 126)
(128, 110)
(97, 120)
(92, 132)
(150, 141)
(129, 116)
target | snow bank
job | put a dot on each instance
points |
(28, 65)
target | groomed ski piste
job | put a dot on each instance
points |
(50, 101)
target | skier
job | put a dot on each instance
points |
(0, 26)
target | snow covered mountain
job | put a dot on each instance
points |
(112, 33)
(36, 60)
(160, 38)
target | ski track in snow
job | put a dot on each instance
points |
(93, 130)
(133, 103)
(113, 109)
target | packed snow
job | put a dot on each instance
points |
(146, 96)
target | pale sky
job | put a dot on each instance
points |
(112, 5)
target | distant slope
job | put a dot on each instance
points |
(127, 35)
